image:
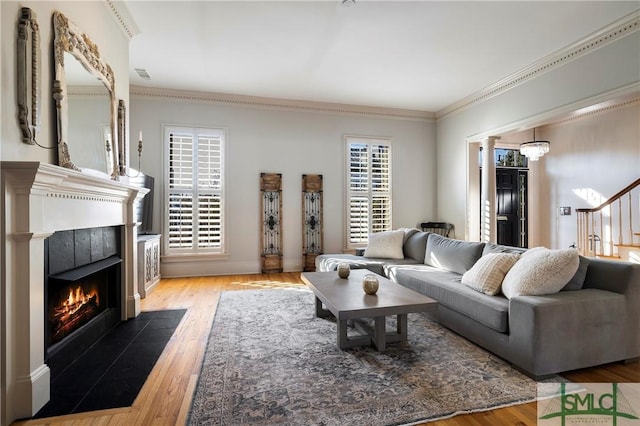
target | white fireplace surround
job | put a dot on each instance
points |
(38, 200)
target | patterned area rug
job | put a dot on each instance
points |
(270, 361)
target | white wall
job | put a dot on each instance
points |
(291, 142)
(596, 72)
(98, 23)
(595, 156)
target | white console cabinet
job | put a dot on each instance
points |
(148, 262)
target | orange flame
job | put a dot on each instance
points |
(77, 298)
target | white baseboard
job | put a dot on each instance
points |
(176, 269)
(30, 394)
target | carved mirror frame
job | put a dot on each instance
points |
(28, 76)
(69, 38)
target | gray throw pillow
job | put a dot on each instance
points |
(577, 281)
(453, 255)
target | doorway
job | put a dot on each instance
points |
(511, 207)
(511, 197)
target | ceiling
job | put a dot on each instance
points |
(420, 55)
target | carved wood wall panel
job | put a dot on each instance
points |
(28, 75)
(312, 220)
(271, 222)
(122, 135)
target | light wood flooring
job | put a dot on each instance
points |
(166, 396)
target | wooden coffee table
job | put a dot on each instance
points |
(346, 301)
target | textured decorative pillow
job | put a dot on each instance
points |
(385, 245)
(540, 271)
(487, 274)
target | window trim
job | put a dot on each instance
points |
(369, 140)
(194, 254)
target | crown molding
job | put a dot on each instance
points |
(621, 28)
(606, 106)
(123, 17)
(282, 104)
(621, 97)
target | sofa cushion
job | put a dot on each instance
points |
(487, 274)
(498, 248)
(445, 287)
(453, 255)
(385, 245)
(415, 246)
(390, 266)
(540, 271)
(577, 281)
(391, 270)
(330, 262)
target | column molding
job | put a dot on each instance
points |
(488, 196)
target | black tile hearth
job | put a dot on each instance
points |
(111, 372)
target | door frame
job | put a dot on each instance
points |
(536, 168)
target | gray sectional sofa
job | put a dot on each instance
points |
(593, 320)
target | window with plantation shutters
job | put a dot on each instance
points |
(369, 188)
(195, 190)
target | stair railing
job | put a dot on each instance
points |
(604, 229)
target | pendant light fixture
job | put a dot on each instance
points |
(535, 149)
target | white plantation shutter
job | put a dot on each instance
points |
(369, 188)
(380, 188)
(195, 190)
(180, 220)
(358, 219)
(380, 213)
(180, 232)
(209, 192)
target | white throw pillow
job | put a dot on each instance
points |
(385, 245)
(487, 273)
(540, 271)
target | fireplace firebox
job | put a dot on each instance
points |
(82, 292)
(76, 297)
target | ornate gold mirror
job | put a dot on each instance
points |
(84, 94)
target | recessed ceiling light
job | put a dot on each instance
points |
(143, 73)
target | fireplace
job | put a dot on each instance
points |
(82, 292)
(40, 201)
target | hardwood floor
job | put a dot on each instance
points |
(166, 396)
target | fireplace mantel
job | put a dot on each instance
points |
(37, 200)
